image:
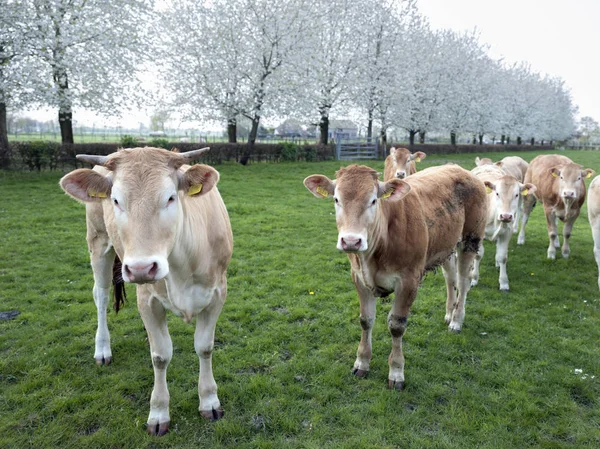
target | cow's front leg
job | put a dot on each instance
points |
(567, 229)
(528, 204)
(204, 339)
(464, 264)
(102, 257)
(397, 320)
(368, 304)
(161, 350)
(450, 275)
(502, 257)
(552, 223)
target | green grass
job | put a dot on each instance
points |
(283, 356)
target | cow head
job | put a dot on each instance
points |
(570, 180)
(397, 164)
(356, 192)
(145, 188)
(483, 161)
(506, 192)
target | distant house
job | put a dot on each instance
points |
(290, 128)
(157, 134)
(344, 129)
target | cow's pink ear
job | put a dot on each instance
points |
(588, 173)
(527, 189)
(86, 185)
(393, 190)
(499, 164)
(198, 179)
(320, 186)
(489, 187)
(419, 156)
(555, 172)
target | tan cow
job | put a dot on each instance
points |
(593, 207)
(167, 223)
(512, 165)
(396, 231)
(504, 198)
(561, 188)
(401, 163)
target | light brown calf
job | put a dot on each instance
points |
(504, 198)
(169, 226)
(401, 163)
(511, 165)
(394, 232)
(561, 188)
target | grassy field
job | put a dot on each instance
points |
(524, 372)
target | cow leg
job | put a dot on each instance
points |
(161, 350)
(397, 320)
(528, 204)
(102, 256)
(475, 271)
(465, 262)
(204, 341)
(566, 250)
(368, 304)
(450, 275)
(552, 223)
(595, 223)
(502, 256)
(515, 224)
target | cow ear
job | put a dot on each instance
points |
(320, 186)
(86, 185)
(527, 189)
(489, 187)
(393, 151)
(587, 173)
(499, 164)
(554, 172)
(393, 190)
(477, 161)
(198, 179)
(419, 156)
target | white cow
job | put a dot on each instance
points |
(167, 223)
(593, 207)
(504, 198)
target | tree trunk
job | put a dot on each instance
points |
(480, 139)
(518, 140)
(411, 136)
(474, 141)
(65, 120)
(4, 146)
(370, 126)
(232, 130)
(421, 137)
(502, 139)
(453, 138)
(324, 127)
(65, 114)
(532, 141)
(383, 136)
(251, 140)
(507, 140)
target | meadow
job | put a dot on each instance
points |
(524, 371)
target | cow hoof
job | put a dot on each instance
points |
(454, 328)
(397, 385)
(474, 283)
(504, 289)
(158, 429)
(213, 415)
(359, 372)
(103, 361)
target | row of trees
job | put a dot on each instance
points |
(308, 59)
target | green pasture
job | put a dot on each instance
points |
(524, 372)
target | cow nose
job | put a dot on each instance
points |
(506, 218)
(351, 243)
(400, 174)
(568, 193)
(140, 272)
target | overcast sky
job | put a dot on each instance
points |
(557, 37)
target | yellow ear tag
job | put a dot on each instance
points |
(321, 191)
(387, 194)
(525, 192)
(95, 194)
(418, 159)
(194, 190)
(555, 175)
(588, 176)
(488, 190)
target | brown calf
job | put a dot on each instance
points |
(401, 163)
(394, 232)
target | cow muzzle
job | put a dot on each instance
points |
(569, 194)
(506, 217)
(144, 270)
(400, 174)
(352, 243)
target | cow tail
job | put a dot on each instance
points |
(118, 285)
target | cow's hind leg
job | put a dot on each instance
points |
(476, 266)
(465, 260)
(368, 304)
(567, 229)
(102, 257)
(161, 350)
(595, 223)
(397, 320)
(528, 204)
(204, 339)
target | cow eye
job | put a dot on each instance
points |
(373, 202)
(115, 202)
(171, 199)
(336, 201)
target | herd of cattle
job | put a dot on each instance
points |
(167, 224)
